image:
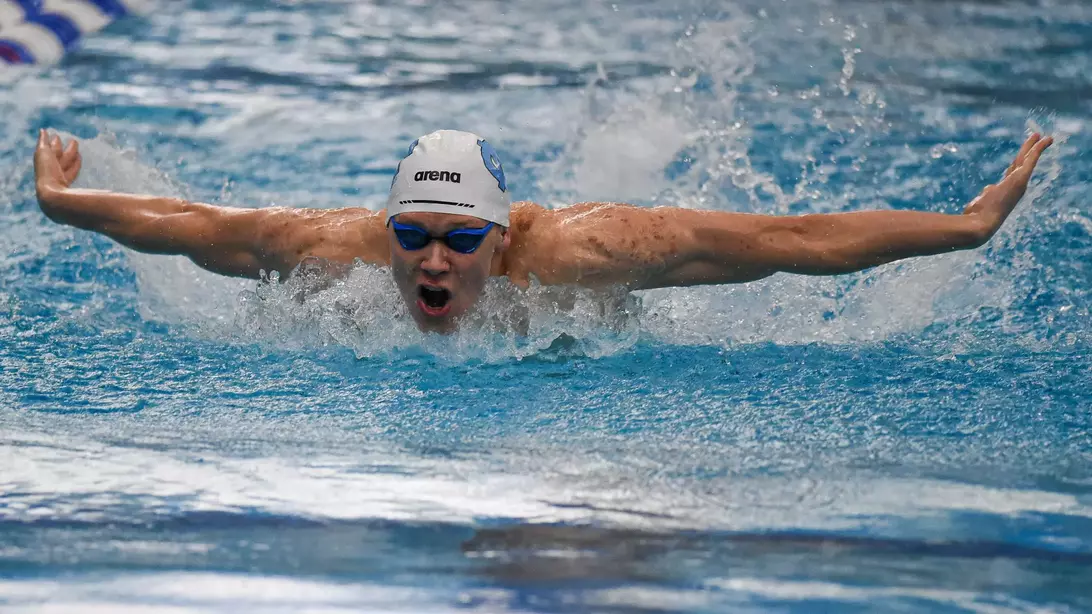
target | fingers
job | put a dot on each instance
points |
(1027, 165)
(44, 145)
(72, 162)
(1033, 157)
(1020, 155)
(65, 154)
(49, 144)
(46, 166)
(71, 153)
(1027, 158)
(55, 164)
(44, 152)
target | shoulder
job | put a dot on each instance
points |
(338, 235)
(530, 224)
(528, 227)
(535, 222)
(549, 243)
(525, 218)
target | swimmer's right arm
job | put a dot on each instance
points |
(229, 241)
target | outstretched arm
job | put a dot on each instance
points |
(225, 240)
(597, 244)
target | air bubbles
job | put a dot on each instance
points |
(938, 151)
(810, 93)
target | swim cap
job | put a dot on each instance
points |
(449, 171)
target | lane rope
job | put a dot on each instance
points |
(40, 32)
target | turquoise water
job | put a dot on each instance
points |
(912, 438)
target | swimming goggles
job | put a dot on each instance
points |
(462, 240)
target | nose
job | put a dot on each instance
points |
(435, 261)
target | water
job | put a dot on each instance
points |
(911, 438)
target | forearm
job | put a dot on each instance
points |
(219, 239)
(122, 217)
(844, 243)
(826, 244)
(719, 247)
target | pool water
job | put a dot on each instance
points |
(914, 438)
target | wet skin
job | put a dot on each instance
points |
(438, 283)
(586, 244)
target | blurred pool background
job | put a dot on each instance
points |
(911, 438)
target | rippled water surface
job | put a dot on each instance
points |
(911, 438)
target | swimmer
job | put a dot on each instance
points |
(450, 224)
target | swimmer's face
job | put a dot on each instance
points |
(438, 283)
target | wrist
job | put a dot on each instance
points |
(48, 191)
(977, 229)
(50, 198)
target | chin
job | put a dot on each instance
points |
(444, 325)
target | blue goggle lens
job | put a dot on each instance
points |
(412, 238)
(463, 240)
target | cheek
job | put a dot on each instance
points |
(401, 271)
(473, 273)
(398, 263)
(403, 261)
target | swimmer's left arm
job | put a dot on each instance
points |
(605, 244)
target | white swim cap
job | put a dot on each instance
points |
(449, 171)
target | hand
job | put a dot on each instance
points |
(997, 201)
(55, 167)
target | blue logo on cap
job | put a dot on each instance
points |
(493, 164)
(412, 146)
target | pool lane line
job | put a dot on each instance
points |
(41, 32)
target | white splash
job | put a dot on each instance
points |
(171, 288)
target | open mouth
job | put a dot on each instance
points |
(433, 301)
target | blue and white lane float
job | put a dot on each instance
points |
(40, 32)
